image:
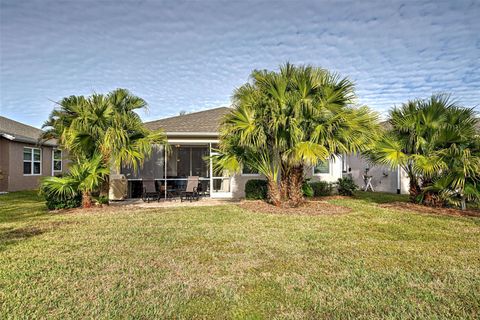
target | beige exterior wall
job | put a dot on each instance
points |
(383, 178)
(15, 179)
(239, 181)
(4, 152)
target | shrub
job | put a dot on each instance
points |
(322, 188)
(256, 189)
(307, 189)
(346, 186)
(102, 200)
(54, 202)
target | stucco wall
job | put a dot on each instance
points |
(334, 174)
(238, 184)
(4, 150)
(239, 180)
(16, 179)
(383, 178)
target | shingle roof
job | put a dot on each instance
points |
(16, 131)
(207, 121)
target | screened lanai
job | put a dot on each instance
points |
(171, 172)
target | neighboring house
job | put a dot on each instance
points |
(193, 137)
(23, 160)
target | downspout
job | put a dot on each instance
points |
(399, 177)
(165, 165)
(211, 170)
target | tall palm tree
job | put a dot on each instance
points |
(104, 124)
(297, 116)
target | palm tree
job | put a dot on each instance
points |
(103, 124)
(435, 142)
(84, 177)
(243, 141)
(294, 118)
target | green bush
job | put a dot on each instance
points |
(102, 200)
(346, 186)
(321, 188)
(256, 189)
(307, 190)
(55, 202)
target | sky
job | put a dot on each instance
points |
(191, 55)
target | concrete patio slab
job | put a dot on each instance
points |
(139, 203)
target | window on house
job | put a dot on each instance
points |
(57, 160)
(247, 170)
(32, 161)
(322, 167)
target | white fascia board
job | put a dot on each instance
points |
(192, 141)
(192, 134)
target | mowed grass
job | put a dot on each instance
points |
(225, 262)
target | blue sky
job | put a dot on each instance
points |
(190, 55)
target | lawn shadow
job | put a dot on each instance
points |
(14, 236)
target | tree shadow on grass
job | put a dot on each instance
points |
(15, 235)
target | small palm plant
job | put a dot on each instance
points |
(84, 178)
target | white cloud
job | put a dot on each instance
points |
(191, 55)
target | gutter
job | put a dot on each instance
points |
(27, 140)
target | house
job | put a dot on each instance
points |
(193, 137)
(23, 160)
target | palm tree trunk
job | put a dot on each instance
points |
(295, 193)
(463, 203)
(274, 193)
(414, 188)
(86, 199)
(284, 182)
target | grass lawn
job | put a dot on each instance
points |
(226, 262)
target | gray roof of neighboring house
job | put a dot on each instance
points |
(16, 131)
(207, 121)
(387, 125)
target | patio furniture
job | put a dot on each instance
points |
(202, 192)
(190, 192)
(171, 192)
(150, 191)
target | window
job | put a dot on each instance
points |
(57, 160)
(322, 167)
(32, 161)
(246, 170)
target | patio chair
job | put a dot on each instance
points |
(190, 192)
(150, 191)
(201, 192)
